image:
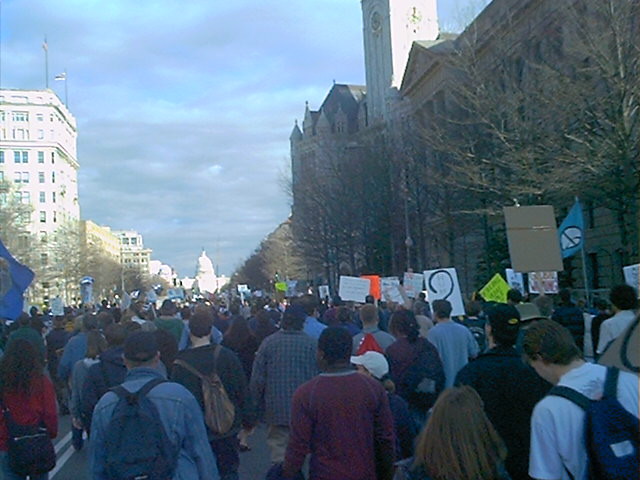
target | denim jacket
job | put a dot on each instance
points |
(182, 420)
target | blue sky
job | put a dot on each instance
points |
(185, 107)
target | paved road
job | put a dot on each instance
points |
(73, 465)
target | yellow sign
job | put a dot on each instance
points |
(495, 290)
(281, 286)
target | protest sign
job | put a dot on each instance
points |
(175, 294)
(515, 279)
(323, 291)
(413, 284)
(57, 307)
(632, 276)
(442, 284)
(548, 280)
(280, 286)
(292, 286)
(374, 285)
(390, 287)
(533, 239)
(353, 289)
(495, 290)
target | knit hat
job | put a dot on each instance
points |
(374, 362)
(504, 318)
(140, 346)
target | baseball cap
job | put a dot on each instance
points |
(140, 346)
(374, 362)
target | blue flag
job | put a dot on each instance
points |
(571, 232)
(14, 280)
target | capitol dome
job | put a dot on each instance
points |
(205, 274)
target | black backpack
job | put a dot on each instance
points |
(30, 449)
(136, 444)
(420, 385)
(612, 434)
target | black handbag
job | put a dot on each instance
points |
(30, 449)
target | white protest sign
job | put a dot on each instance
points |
(292, 286)
(632, 276)
(390, 288)
(353, 289)
(57, 307)
(413, 284)
(549, 281)
(442, 284)
(515, 279)
(323, 291)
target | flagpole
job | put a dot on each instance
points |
(584, 262)
(45, 47)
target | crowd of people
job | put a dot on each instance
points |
(365, 392)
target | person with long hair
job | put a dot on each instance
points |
(459, 442)
(414, 365)
(239, 338)
(28, 395)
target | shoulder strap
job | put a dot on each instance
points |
(611, 382)
(146, 388)
(189, 368)
(571, 395)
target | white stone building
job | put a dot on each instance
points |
(38, 154)
(133, 253)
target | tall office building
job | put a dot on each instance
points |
(38, 155)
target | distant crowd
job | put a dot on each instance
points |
(373, 391)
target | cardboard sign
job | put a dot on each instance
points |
(632, 277)
(515, 279)
(548, 280)
(353, 289)
(495, 290)
(390, 287)
(533, 239)
(443, 284)
(413, 284)
(374, 286)
(323, 291)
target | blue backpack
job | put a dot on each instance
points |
(136, 444)
(612, 434)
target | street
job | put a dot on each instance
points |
(73, 465)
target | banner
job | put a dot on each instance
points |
(632, 277)
(14, 280)
(374, 286)
(548, 280)
(495, 290)
(571, 231)
(442, 284)
(413, 284)
(515, 280)
(353, 289)
(390, 288)
(323, 292)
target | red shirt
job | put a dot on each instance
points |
(40, 404)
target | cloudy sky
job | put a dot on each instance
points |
(184, 107)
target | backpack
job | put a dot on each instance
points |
(612, 434)
(369, 344)
(29, 447)
(219, 411)
(420, 385)
(136, 444)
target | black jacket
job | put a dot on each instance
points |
(231, 374)
(107, 373)
(509, 389)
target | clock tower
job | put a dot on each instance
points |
(390, 27)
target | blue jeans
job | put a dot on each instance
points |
(7, 474)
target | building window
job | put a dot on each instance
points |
(44, 259)
(40, 177)
(53, 197)
(591, 217)
(53, 157)
(20, 116)
(1, 156)
(594, 270)
(43, 236)
(55, 217)
(2, 116)
(43, 217)
(40, 134)
(39, 117)
(43, 197)
(20, 156)
(1, 175)
(40, 157)
(53, 177)
(21, 177)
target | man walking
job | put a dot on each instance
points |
(341, 418)
(178, 411)
(369, 318)
(284, 361)
(454, 342)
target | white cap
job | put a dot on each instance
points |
(374, 362)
